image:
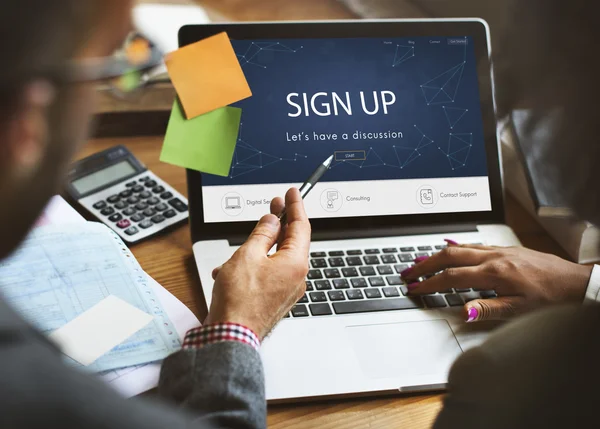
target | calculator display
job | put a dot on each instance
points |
(101, 178)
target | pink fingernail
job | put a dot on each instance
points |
(451, 242)
(406, 272)
(473, 314)
(412, 286)
(421, 259)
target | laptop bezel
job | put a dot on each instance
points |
(475, 28)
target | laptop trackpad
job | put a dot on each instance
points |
(411, 348)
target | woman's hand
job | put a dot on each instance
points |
(523, 279)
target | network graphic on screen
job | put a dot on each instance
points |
(401, 108)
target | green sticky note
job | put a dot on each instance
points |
(204, 143)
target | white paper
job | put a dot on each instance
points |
(161, 23)
(59, 211)
(99, 329)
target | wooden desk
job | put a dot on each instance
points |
(169, 260)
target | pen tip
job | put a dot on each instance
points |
(328, 162)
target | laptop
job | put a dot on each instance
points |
(406, 107)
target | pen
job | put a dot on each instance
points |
(309, 184)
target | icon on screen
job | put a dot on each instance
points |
(426, 196)
(232, 203)
(332, 196)
(331, 200)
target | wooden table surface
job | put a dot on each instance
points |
(168, 259)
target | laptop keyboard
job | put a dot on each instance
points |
(368, 280)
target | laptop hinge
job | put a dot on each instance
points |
(379, 232)
(392, 232)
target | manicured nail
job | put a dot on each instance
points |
(451, 242)
(473, 314)
(406, 272)
(421, 259)
(412, 286)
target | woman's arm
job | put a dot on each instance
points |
(523, 279)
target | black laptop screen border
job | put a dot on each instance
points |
(342, 29)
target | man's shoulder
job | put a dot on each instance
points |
(557, 336)
(549, 329)
(9, 319)
(538, 369)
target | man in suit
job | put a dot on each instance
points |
(53, 54)
(538, 372)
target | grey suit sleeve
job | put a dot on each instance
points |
(223, 382)
(220, 385)
(540, 371)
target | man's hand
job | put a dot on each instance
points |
(523, 279)
(256, 290)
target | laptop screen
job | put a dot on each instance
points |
(402, 117)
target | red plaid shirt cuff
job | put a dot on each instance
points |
(210, 334)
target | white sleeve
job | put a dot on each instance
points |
(593, 290)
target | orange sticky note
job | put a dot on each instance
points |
(207, 75)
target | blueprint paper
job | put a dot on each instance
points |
(134, 380)
(60, 271)
(99, 329)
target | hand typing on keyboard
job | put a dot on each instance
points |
(522, 278)
(256, 290)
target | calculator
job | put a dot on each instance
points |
(117, 189)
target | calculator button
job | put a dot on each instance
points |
(130, 184)
(137, 188)
(115, 218)
(150, 184)
(107, 211)
(131, 231)
(158, 218)
(99, 205)
(133, 200)
(152, 201)
(121, 205)
(149, 212)
(145, 194)
(141, 206)
(143, 179)
(160, 207)
(129, 211)
(158, 189)
(113, 199)
(138, 217)
(170, 213)
(146, 224)
(166, 195)
(124, 224)
(178, 205)
(125, 194)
